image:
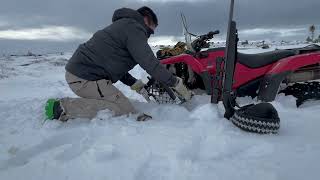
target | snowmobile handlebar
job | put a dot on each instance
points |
(212, 33)
(208, 36)
(201, 41)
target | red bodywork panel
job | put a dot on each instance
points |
(295, 62)
(244, 74)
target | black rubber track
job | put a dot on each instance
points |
(303, 91)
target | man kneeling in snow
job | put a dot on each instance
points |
(106, 58)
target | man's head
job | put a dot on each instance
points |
(150, 18)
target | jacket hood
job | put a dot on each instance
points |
(132, 14)
(127, 13)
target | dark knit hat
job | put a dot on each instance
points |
(261, 118)
(146, 11)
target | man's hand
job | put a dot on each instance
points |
(138, 86)
(182, 90)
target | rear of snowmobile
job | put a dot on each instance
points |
(296, 75)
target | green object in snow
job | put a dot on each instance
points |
(49, 108)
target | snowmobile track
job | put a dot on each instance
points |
(303, 91)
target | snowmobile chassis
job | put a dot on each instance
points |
(226, 74)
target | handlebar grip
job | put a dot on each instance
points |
(216, 32)
(211, 34)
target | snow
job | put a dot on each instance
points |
(193, 141)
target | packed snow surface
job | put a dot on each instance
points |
(193, 141)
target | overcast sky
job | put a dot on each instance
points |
(62, 24)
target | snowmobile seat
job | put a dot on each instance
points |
(263, 59)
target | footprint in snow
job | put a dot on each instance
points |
(22, 157)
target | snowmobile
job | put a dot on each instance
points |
(224, 73)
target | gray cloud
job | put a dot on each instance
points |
(202, 15)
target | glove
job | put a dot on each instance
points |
(138, 86)
(181, 89)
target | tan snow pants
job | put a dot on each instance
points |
(93, 97)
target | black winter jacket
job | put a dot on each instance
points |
(116, 49)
